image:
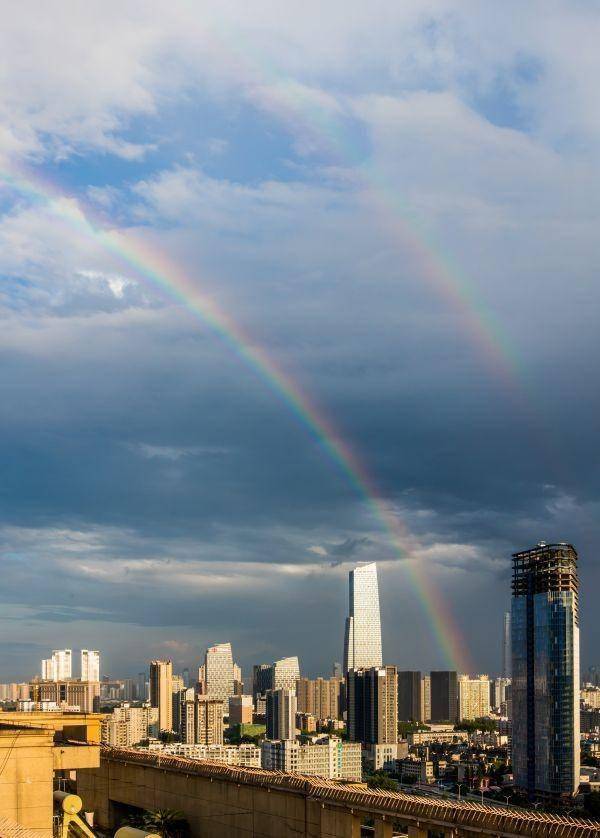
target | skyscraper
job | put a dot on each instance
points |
(90, 665)
(410, 699)
(545, 670)
(362, 639)
(58, 667)
(444, 697)
(373, 705)
(506, 650)
(285, 674)
(161, 692)
(218, 671)
(281, 714)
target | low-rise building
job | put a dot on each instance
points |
(379, 757)
(246, 754)
(421, 737)
(332, 758)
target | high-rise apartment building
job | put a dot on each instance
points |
(545, 671)
(281, 714)
(161, 692)
(201, 719)
(321, 697)
(444, 696)
(59, 666)
(506, 648)
(362, 638)
(373, 705)
(410, 697)
(127, 726)
(473, 697)
(90, 665)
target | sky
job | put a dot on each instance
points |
(396, 205)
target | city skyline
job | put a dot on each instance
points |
(273, 305)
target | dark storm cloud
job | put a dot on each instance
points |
(434, 292)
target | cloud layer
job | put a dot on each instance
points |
(398, 205)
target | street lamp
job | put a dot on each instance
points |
(460, 785)
(506, 797)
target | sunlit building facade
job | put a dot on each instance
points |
(362, 638)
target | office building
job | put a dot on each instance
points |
(285, 673)
(84, 695)
(545, 671)
(261, 680)
(321, 697)
(201, 719)
(362, 637)
(331, 758)
(240, 709)
(444, 697)
(410, 698)
(473, 697)
(506, 648)
(90, 665)
(161, 692)
(281, 714)
(337, 670)
(373, 705)
(218, 674)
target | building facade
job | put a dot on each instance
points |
(201, 720)
(240, 710)
(218, 674)
(245, 754)
(362, 636)
(410, 698)
(332, 759)
(444, 697)
(285, 673)
(373, 705)
(161, 692)
(506, 646)
(90, 665)
(473, 697)
(321, 697)
(545, 670)
(281, 714)
(82, 694)
(127, 726)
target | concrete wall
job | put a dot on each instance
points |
(222, 802)
(27, 771)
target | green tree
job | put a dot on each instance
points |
(380, 780)
(169, 823)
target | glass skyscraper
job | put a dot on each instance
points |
(362, 640)
(545, 670)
